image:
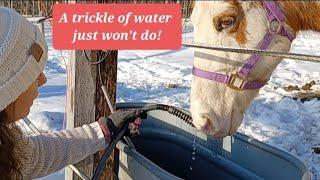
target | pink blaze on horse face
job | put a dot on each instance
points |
(216, 108)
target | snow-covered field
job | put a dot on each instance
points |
(149, 75)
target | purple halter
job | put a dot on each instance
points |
(238, 80)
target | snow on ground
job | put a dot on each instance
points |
(164, 77)
(285, 123)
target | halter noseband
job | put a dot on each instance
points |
(238, 81)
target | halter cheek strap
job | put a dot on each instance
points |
(238, 80)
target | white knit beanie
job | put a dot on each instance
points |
(23, 54)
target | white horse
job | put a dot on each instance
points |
(224, 84)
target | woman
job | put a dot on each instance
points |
(23, 54)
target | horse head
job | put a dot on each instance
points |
(225, 83)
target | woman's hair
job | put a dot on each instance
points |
(9, 150)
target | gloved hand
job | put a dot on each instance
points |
(111, 125)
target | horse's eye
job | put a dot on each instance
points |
(226, 22)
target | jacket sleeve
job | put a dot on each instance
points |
(49, 152)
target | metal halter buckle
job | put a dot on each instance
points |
(274, 26)
(236, 82)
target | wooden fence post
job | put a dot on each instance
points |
(80, 107)
(86, 102)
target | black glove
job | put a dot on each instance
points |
(111, 125)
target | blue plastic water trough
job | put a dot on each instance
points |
(165, 150)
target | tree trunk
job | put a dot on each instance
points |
(109, 79)
(86, 102)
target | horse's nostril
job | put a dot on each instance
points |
(210, 125)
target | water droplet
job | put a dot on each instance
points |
(193, 153)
